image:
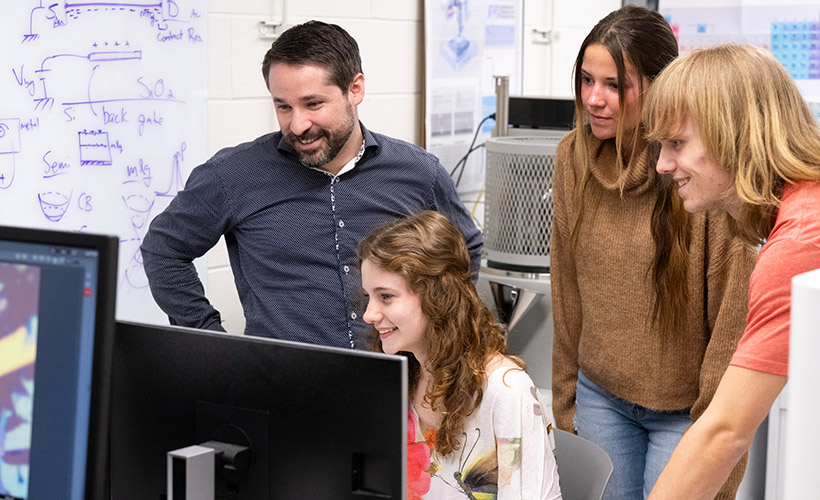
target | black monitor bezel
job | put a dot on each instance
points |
(191, 356)
(107, 247)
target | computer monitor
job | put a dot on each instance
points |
(322, 423)
(57, 300)
(798, 460)
(531, 114)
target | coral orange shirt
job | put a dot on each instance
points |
(793, 248)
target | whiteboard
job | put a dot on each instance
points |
(101, 120)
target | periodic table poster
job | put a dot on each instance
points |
(790, 30)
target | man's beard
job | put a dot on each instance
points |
(334, 142)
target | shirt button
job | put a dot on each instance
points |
(347, 269)
(353, 316)
(341, 223)
(336, 180)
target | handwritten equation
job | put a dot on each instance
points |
(103, 116)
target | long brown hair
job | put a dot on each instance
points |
(751, 118)
(430, 254)
(645, 38)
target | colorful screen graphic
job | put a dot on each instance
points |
(19, 305)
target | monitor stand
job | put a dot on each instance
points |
(191, 473)
(192, 470)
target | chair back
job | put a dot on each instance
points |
(583, 467)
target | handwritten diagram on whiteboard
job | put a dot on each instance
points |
(102, 119)
(791, 31)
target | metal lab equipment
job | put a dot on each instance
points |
(517, 232)
(518, 202)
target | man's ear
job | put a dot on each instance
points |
(356, 90)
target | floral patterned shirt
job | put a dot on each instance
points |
(506, 453)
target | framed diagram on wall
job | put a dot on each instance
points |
(467, 43)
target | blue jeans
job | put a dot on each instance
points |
(639, 440)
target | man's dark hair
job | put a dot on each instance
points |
(322, 44)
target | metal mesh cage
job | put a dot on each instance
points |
(518, 202)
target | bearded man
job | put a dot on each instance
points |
(294, 204)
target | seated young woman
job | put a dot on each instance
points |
(477, 426)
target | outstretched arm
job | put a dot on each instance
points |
(729, 263)
(712, 446)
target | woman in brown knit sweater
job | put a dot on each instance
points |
(645, 324)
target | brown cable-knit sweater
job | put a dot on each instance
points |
(602, 303)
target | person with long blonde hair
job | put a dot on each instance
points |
(477, 424)
(649, 302)
(736, 135)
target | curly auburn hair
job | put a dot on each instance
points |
(430, 254)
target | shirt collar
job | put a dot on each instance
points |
(368, 141)
(349, 165)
